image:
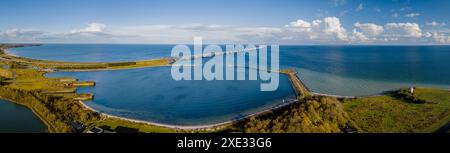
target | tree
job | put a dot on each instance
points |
(312, 114)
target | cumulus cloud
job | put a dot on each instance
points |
(403, 30)
(92, 32)
(332, 26)
(358, 36)
(326, 29)
(300, 25)
(319, 31)
(441, 38)
(91, 28)
(369, 28)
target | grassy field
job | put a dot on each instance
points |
(391, 113)
(123, 126)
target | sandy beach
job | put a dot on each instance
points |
(190, 127)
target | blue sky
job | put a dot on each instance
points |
(226, 21)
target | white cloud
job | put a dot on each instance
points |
(300, 25)
(20, 35)
(91, 28)
(403, 30)
(436, 24)
(202, 27)
(441, 38)
(327, 29)
(358, 36)
(369, 28)
(333, 27)
(411, 15)
(360, 7)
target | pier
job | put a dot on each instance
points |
(81, 84)
(300, 89)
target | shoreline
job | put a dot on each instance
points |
(5, 50)
(98, 70)
(191, 127)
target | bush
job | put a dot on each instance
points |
(121, 64)
(16, 65)
(3, 81)
(81, 67)
(406, 95)
(314, 114)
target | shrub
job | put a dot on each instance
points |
(121, 64)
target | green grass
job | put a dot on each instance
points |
(119, 125)
(392, 114)
(29, 79)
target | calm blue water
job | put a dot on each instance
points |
(151, 94)
(19, 119)
(366, 70)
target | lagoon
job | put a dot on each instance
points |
(19, 119)
(150, 94)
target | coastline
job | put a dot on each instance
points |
(9, 53)
(192, 127)
(115, 69)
